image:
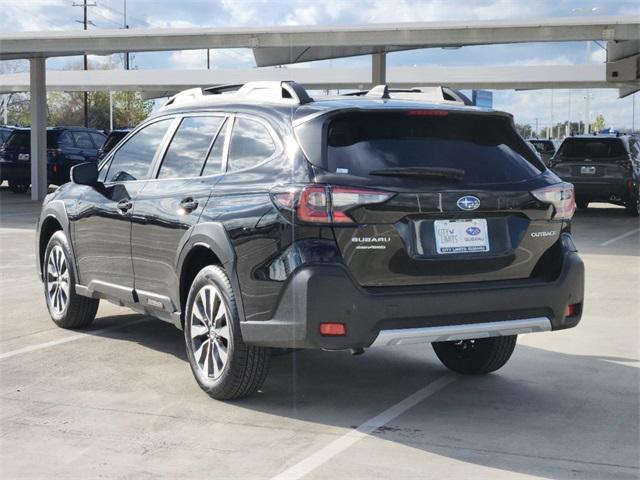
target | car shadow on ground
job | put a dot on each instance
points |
(545, 414)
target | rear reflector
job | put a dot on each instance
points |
(335, 329)
(571, 310)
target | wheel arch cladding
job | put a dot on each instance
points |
(208, 244)
(54, 218)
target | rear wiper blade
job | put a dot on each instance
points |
(424, 172)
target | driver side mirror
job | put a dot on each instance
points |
(85, 173)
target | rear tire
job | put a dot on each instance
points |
(223, 365)
(582, 204)
(66, 308)
(473, 357)
(633, 205)
(18, 187)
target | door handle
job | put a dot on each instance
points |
(188, 205)
(125, 205)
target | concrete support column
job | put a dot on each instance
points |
(378, 69)
(38, 105)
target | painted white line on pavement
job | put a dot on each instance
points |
(60, 341)
(620, 237)
(323, 455)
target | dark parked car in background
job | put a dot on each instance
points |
(66, 147)
(5, 130)
(546, 148)
(112, 140)
(602, 168)
(268, 219)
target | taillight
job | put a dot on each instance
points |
(562, 198)
(326, 203)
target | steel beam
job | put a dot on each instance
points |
(309, 42)
(38, 107)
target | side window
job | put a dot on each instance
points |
(65, 140)
(214, 159)
(97, 139)
(189, 147)
(83, 140)
(133, 160)
(250, 144)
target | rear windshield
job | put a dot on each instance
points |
(592, 148)
(22, 139)
(112, 140)
(486, 148)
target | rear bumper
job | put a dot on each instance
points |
(16, 171)
(327, 293)
(601, 189)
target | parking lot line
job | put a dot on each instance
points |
(71, 338)
(315, 460)
(620, 237)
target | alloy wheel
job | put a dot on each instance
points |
(210, 333)
(57, 276)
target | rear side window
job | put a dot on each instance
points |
(251, 143)
(601, 148)
(22, 139)
(98, 139)
(18, 139)
(188, 149)
(487, 149)
(65, 140)
(133, 160)
(83, 140)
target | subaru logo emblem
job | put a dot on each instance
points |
(473, 231)
(468, 202)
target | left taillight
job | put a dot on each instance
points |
(561, 196)
(326, 203)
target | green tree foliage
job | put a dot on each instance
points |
(598, 124)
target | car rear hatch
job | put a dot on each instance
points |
(17, 148)
(424, 197)
(592, 160)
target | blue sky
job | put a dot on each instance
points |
(29, 15)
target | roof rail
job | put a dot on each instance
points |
(279, 91)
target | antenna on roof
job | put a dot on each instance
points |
(379, 91)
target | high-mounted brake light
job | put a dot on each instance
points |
(427, 113)
(562, 198)
(325, 203)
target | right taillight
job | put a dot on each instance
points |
(326, 203)
(562, 198)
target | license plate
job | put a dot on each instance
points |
(23, 156)
(461, 236)
(588, 170)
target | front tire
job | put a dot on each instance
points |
(479, 356)
(223, 365)
(66, 308)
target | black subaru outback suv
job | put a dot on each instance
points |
(262, 218)
(602, 168)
